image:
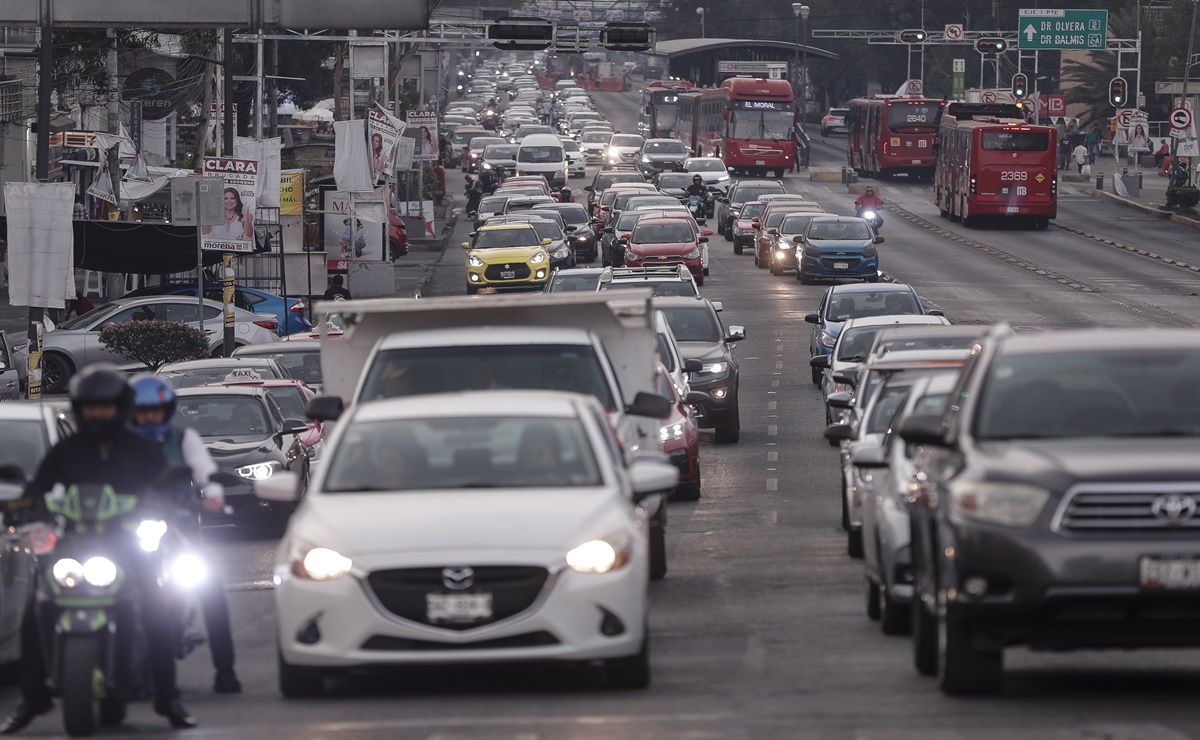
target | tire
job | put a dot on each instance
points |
(730, 431)
(700, 279)
(658, 552)
(759, 261)
(774, 270)
(296, 682)
(112, 712)
(705, 271)
(924, 633)
(894, 618)
(1042, 223)
(687, 492)
(962, 668)
(816, 376)
(394, 250)
(854, 543)
(872, 595)
(632, 672)
(728, 234)
(56, 372)
(737, 247)
(845, 507)
(81, 685)
(472, 290)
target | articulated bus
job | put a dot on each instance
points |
(746, 121)
(656, 117)
(991, 163)
(892, 134)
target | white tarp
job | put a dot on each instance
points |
(270, 159)
(351, 157)
(41, 243)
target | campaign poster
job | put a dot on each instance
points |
(236, 234)
(384, 130)
(291, 193)
(423, 129)
(1137, 135)
(347, 238)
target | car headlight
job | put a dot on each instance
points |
(188, 570)
(828, 340)
(670, 432)
(474, 261)
(811, 251)
(486, 166)
(319, 563)
(149, 533)
(1006, 504)
(870, 252)
(68, 572)
(714, 368)
(99, 571)
(646, 160)
(537, 258)
(258, 471)
(631, 255)
(693, 254)
(561, 253)
(601, 556)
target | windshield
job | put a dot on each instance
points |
(839, 230)
(627, 140)
(1147, 393)
(854, 343)
(655, 201)
(492, 204)
(501, 151)
(606, 181)
(466, 452)
(291, 401)
(774, 218)
(890, 399)
(1015, 141)
(575, 283)
(692, 323)
(530, 130)
(795, 223)
(752, 210)
(665, 147)
(463, 137)
(225, 417)
(706, 165)
(574, 214)
(483, 142)
(192, 378)
(420, 371)
(80, 322)
(596, 137)
(571, 145)
(932, 341)
(682, 181)
(913, 115)
(22, 444)
(671, 233)
(540, 154)
(547, 229)
(861, 305)
(775, 125)
(303, 365)
(754, 192)
(501, 238)
(627, 220)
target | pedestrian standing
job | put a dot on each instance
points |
(1164, 151)
(1064, 152)
(1081, 157)
(1093, 143)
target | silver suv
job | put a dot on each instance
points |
(834, 120)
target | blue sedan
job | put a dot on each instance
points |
(856, 301)
(291, 320)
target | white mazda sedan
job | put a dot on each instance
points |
(467, 528)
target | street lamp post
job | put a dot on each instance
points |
(802, 12)
(700, 12)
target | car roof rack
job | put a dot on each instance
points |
(652, 272)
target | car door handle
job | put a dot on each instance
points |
(11, 384)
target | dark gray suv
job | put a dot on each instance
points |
(1056, 504)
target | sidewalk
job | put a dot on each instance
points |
(1151, 199)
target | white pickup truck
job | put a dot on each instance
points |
(579, 342)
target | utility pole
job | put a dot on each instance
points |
(1187, 69)
(113, 99)
(45, 90)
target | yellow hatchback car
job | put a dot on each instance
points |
(507, 257)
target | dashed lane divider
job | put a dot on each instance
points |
(1129, 248)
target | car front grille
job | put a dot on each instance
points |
(398, 644)
(494, 272)
(513, 588)
(850, 262)
(1100, 509)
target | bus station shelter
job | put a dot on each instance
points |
(697, 60)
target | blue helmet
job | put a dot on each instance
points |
(151, 391)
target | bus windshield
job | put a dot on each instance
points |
(913, 115)
(775, 125)
(1016, 141)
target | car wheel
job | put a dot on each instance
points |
(845, 507)
(658, 552)
(700, 279)
(854, 543)
(729, 235)
(872, 594)
(962, 667)
(762, 263)
(689, 491)
(472, 290)
(731, 430)
(632, 672)
(297, 682)
(395, 250)
(706, 271)
(737, 247)
(894, 618)
(56, 372)
(924, 632)
(775, 270)
(816, 376)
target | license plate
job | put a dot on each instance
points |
(1170, 574)
(457, 607)
(1012, 209)
(916, 161)
(841, 265)
(760, 161)
(508, 274)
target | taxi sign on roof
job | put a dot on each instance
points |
(242, 374)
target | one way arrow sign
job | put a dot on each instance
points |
(1030, 32)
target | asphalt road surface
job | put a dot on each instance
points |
(759, 630)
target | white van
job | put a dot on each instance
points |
(543, 154)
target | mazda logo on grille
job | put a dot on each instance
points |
(1174, 508)
(458, 579)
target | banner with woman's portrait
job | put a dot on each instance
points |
(236, 233)
(383, 129)
(423, 128)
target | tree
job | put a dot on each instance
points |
(155, 343)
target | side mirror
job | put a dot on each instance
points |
(840, 400)
(772, 232)
(609, 230)
(692, 366)
(718, 306)
(694, 398)
(736, 334)
(702, 240)
(812, 318)
(878, 240)
(295, 426)
(547, 242)
(281, 487)
(707, 232)
(820, 362)
(849, 376)
(590, 189)
(935, 312)
(649, 404)
(840, 432)
(923, 430)
(325, 408)
(570, 229)
(648, 477)
(13, 474)
(466, 245)
(872, 456)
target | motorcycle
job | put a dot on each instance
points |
(698, 205)
(872, 217)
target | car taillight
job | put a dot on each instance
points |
(1054, 185)
(297, 307)
(828, 118)
(973, 184)
(271, 324)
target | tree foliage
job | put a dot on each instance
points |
(155, 343)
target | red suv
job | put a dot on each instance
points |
(665, 240)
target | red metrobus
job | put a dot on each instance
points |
(656, 117)
(891, 134)
(990, 165)
(746, 121)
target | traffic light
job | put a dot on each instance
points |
(1020, 86)
(912, 36)
(627, 36)
(991, 46)
(516, 34)
(1118, 92)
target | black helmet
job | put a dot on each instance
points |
(101, 384)
(697, 178)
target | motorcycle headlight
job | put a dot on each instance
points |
(828, 340)
(601, 556)
(474, 261)
(100, 571)
(868, 215)
(68, 572)
(149, 533)
(670, 432)
(715, 368)
(258, 471)
(1006, 504)
(188, 570)
(538, 258)
(319, 563)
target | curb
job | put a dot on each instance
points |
(1130, 203)
(441, 241)
(1191, 223)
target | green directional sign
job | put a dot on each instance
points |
(1062, 29)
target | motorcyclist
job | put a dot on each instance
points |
(564, 196)
(698, 188)
(868, 201)
(103, 452)
(153, 411)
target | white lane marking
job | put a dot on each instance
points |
(772, 430)
(772, 484)
(772, 456)
(779, 365)
(771, 405)
(774, 383)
